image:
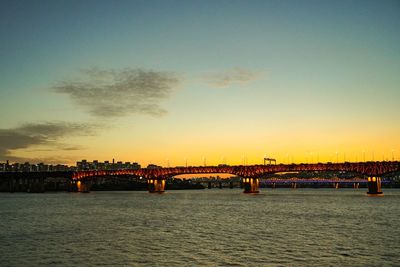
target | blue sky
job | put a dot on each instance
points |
(279, 71)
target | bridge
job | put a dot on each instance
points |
(81, 181)
(156, 178)
(250, 174)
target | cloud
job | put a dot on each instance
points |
(114, 93)
(49, 135)
(231, 77)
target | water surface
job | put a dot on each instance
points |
(280, 227)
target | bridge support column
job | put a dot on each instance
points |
(251, 185)
(71, 186)
(83, 186)
(12, 185)
(35, 185)
(79, 186)
(374, 186)
(156, 185)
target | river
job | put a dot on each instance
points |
(279, 227)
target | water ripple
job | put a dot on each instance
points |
(304, 227)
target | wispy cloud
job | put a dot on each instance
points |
(48, 135)
(113, 93)
(230, 77)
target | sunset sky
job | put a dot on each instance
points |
(217, 81)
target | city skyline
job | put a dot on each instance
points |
(171, 83)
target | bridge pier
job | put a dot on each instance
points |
(374, 186)
(83, 186)
(12, 185)
(35, 185)
(25, 184)
(294, 185)
(156, 185)
(251, 185)
(80, 186)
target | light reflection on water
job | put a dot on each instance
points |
(281, 227)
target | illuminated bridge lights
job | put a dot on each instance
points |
(374, 170)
